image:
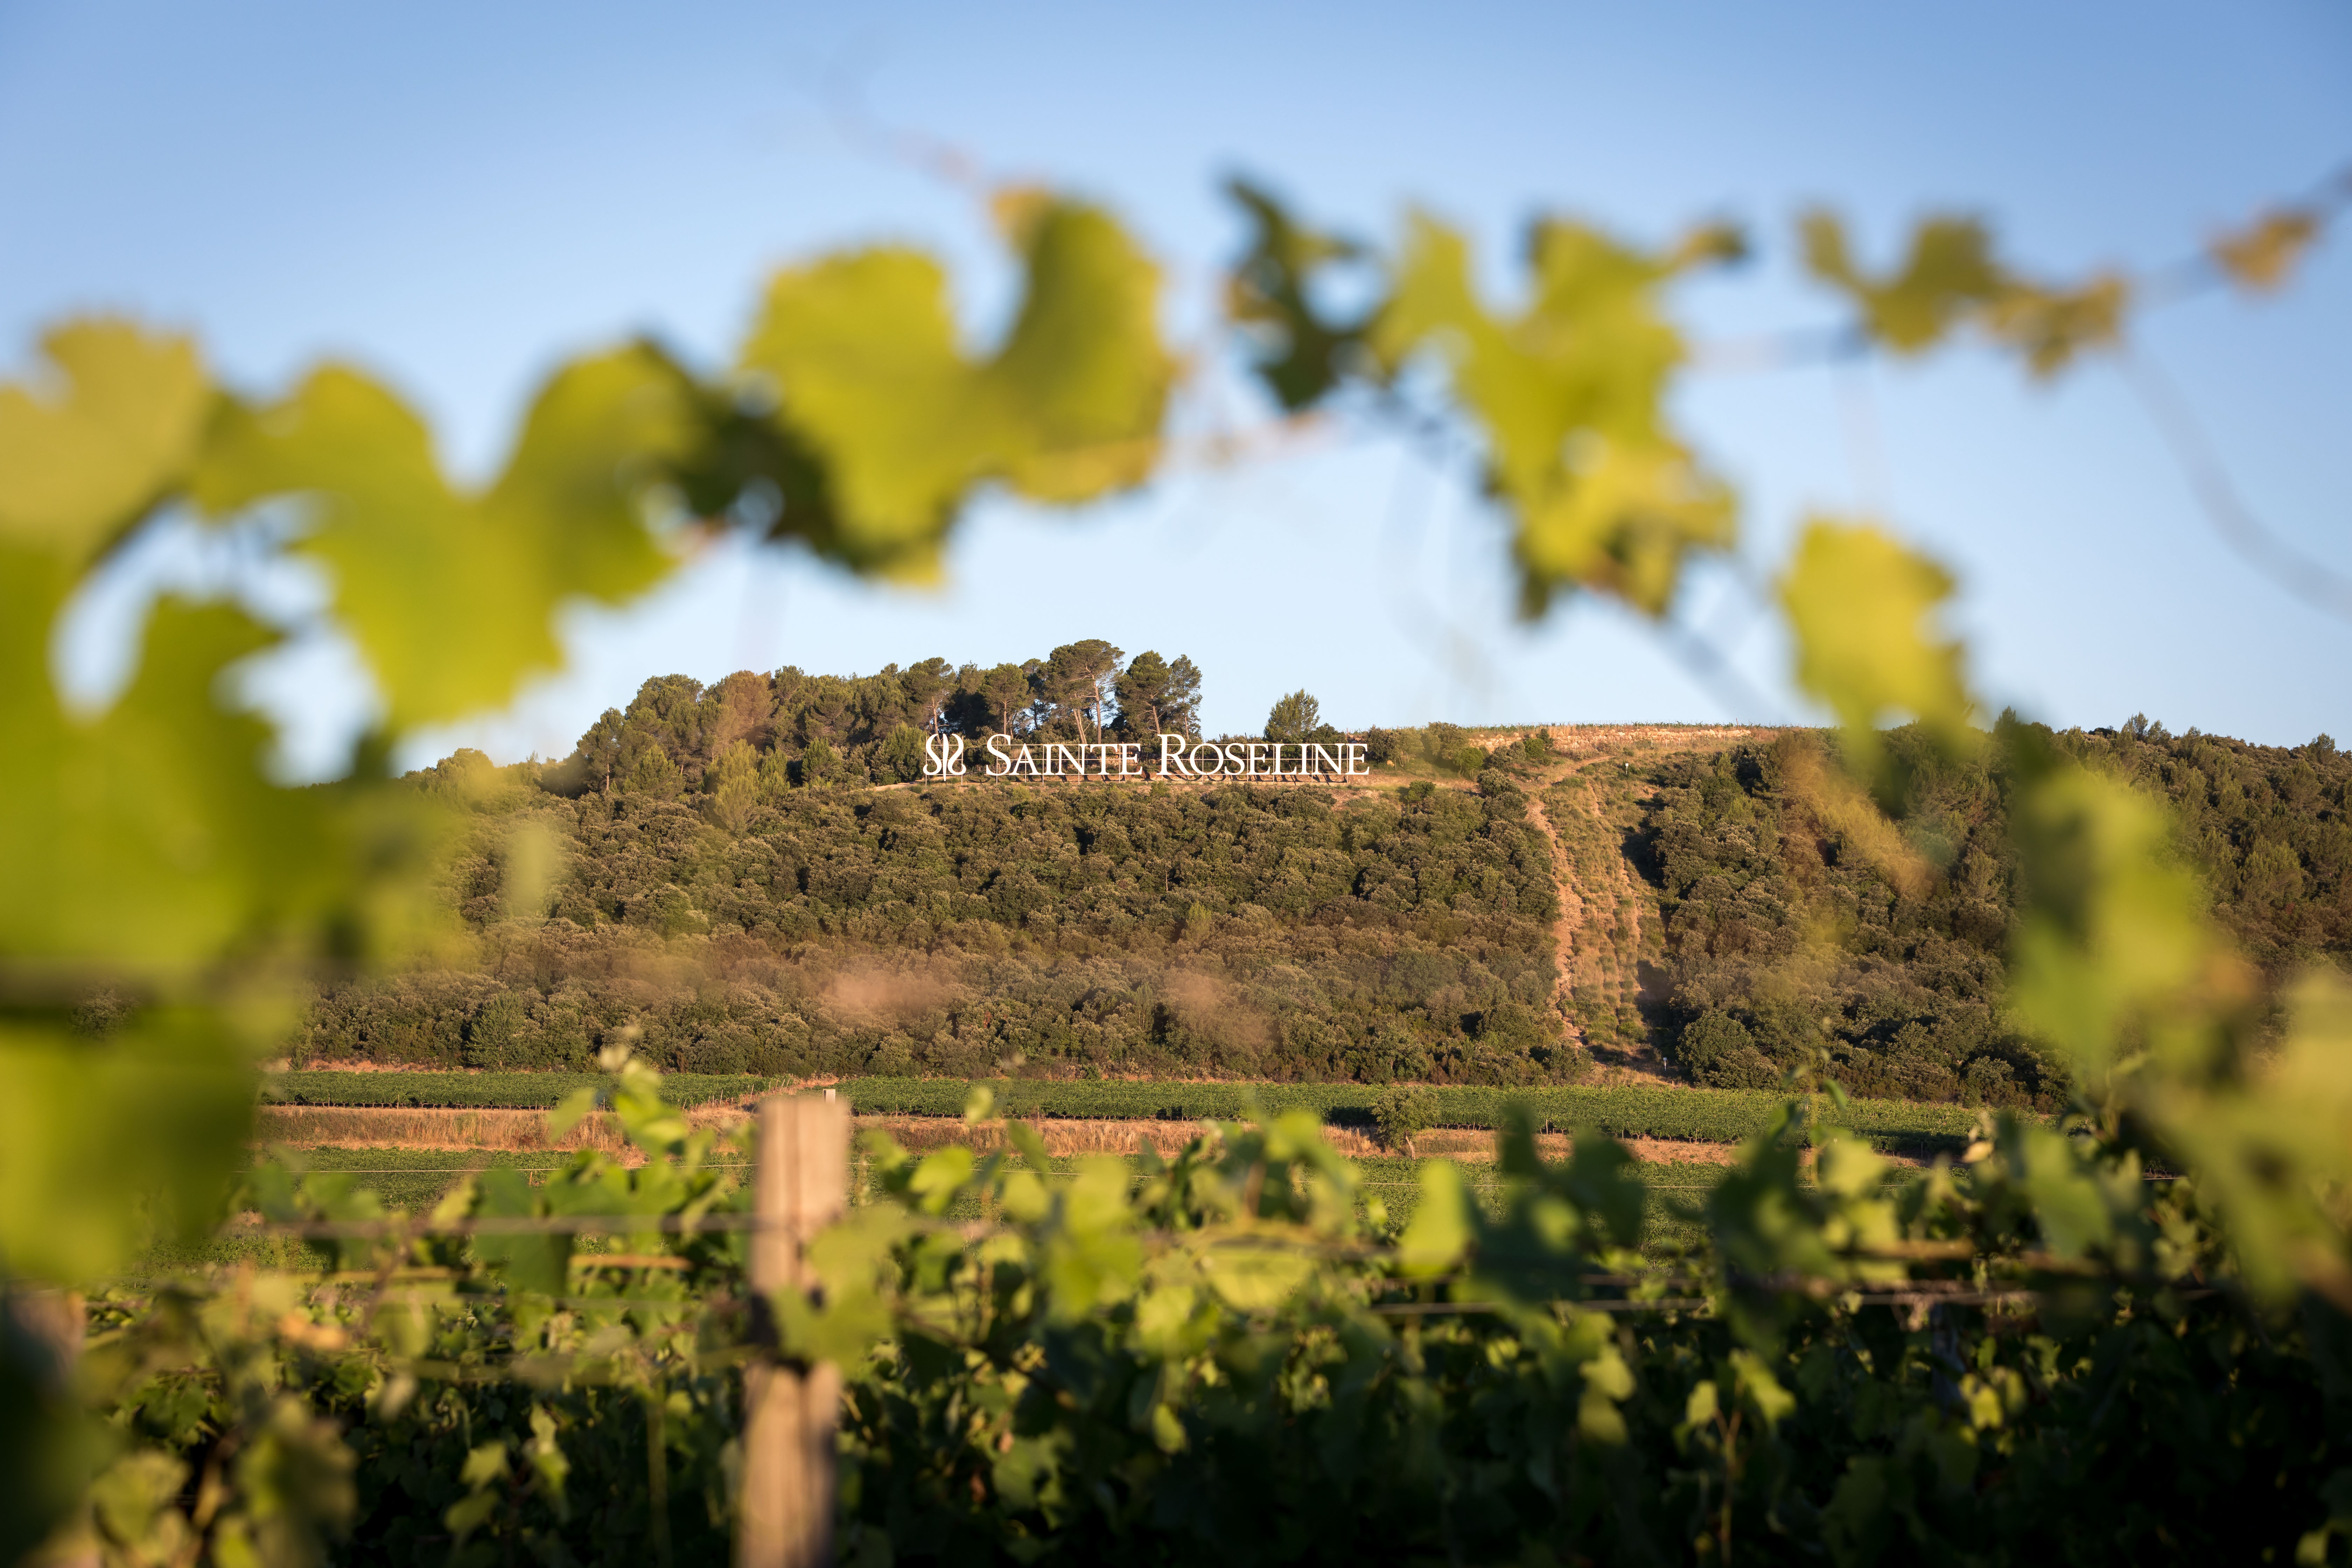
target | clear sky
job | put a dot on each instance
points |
(454, 194)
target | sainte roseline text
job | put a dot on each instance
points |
(1179, 757)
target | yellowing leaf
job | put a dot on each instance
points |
(1861, 607)
(1834, 802)
(1950, 273)
(1952, 278)
(2263, 253)
(81, 459)
(450, 596)
(1570, 395)
(861, 351)
(2051, 326)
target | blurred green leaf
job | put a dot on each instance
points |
(1031, 1147)
(106, 1147)
(451, 595)
(862, 352)
(145, 845)
(1603, 1180)
(1301, 353)
(576, 1105)
(1861, 607)
(2272, 1147)
(1438, 1236)
(2113, 938)
(1570, 394)
(537, 1263)
(82, 459)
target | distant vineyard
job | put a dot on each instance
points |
(486, 1090)
(1720, 1116)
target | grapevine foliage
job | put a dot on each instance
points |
(1233, 1356)
(1208, 1365)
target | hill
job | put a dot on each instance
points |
(1498, 908)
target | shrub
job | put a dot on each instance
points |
(1717, 1049)
(1403, 1114)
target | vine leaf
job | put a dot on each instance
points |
(168, 1102)
(2265, 1144)
(1949, 274)
(2051, 327)
(147, 857)
(1570, 394)
(146, 845)
(1301, 353)
(449, 594)
(2113, 939)
(2117, 965)
(2263, 255)
(1861, 608)
(1952, 278)
(862, 352)
(82, 459)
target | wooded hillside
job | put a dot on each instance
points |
(1784, 932)
(1729, 913)
(970, 929)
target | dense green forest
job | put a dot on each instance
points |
(1266, 932)
(731, 907)
(1780, 941)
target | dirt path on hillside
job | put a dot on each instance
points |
(1637, 1062)
(1566, 925)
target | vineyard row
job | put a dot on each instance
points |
(1721, 1116)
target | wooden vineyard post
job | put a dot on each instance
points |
(799, 1186)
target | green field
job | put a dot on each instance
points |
(1704, 1115)
(489, 1090)
(415, 1179)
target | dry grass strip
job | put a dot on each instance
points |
(404, 1127)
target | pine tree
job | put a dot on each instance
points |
(733, 786)
(1294, 718)
(819, 764)
(1158, 695)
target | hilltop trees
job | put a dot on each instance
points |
(668, 742)
(928, 687)
(1157, 695)
(1294, 718)
(1075, 686)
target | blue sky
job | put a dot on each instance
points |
(456, 195)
